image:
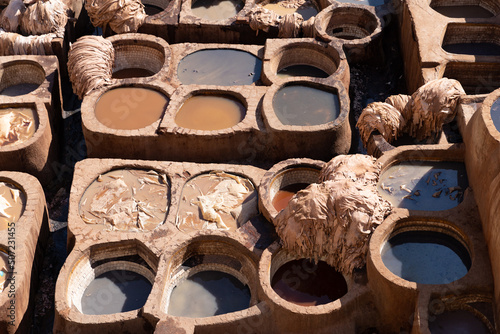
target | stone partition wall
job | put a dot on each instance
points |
(25, 243)
(260, 136)
(424, 31)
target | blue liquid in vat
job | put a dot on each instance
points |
(114, 292)
(426, 257)
(208, 293)
(305, 106)
(495, 114)
(421, 185)
(223, 67)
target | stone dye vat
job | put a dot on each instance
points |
(26, 142)
(325, 119)
(456, 232)
(303, 105)
(162, 18)
(321, 285)
(426, 257)
(466, 9)
(283, 180)
(214, 21)
(418, 185)
(222, 67)
(21, 77)
(459, 39)
(131, 51)
(106, 284)
(126, 200)
(23, 236)
(130, 108)
(216, 200)
(306, 9)
(356, 27)
(456, 321)
(210, 112)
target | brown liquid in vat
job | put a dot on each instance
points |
(206, 112)
(17, 125)
(126, 200)
(129, 108)
(132, 73)
(283, 196)
(12, 202)
(216, 201)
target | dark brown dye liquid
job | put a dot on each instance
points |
(20, 89)
(152, 9)
(306, 106)
(495, 114)
(304, 283)
(471, 11)
(207, 112)
(222, 67)
(132, 73)
(426, 257)
(129, 108)
(208, 293)
(283, 196)
(114, 292)
(216, 10)
(457, 322)
(302, 70)
(477, 49)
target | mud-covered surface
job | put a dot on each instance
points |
(369, 83)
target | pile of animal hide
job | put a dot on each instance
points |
(28, 27)
(290, 25)
(333, 220)
(122, 16)
(420, 115)
(90, 64)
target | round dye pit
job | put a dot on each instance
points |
(12, 204)
(210, 112)
(208, 293)
(222, 67)
(17, 125)
(306, 283)
(466, 9)
(302, 70)
(495, 114)
(216, 200)
(130, 108)
(132, 73)
(349, 23)
(305, 106)
(421, 185)
(283, 196)
(457, 322)
(426, 257)
(306, 9)
(126, 200)
(20, 77)
(216, 10)
(114, 292)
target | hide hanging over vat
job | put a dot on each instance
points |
(122, 16)
(421, 116)
(90, 64)
(333, 220)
